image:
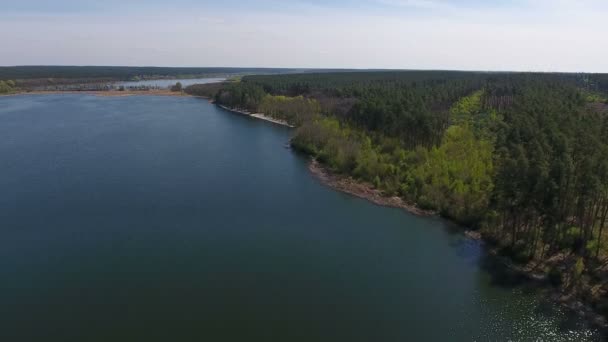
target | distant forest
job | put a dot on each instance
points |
(122, 73)
(520, 157)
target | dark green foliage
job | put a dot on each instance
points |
(119, 72)
(294, 110)
(523, 157)
(177, 87)
(551, 175)
(208, 90)
(356, 83)
(241, 96)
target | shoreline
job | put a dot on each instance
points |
(109, 93)
(571, 302)
(259, 116)
(366, 191)
(152, 92)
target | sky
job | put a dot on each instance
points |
(497, 35)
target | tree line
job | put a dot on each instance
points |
(122, 72)
(523, 158)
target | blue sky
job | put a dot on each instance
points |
(526, 35)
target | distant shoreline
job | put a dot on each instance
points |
(152, 92)
(115, 93)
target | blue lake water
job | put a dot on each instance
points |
(167, 83)
(169, 219)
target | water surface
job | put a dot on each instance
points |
(168, 219)
(167, 83)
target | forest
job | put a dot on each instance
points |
(520, 157)
(121, 73)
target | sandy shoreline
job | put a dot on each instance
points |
(257, 116)
(153, 92)
(362, 190)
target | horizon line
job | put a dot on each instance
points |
(299, 68)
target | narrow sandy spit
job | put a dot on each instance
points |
(260, 116)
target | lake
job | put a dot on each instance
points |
(166, 83)
(149, 218)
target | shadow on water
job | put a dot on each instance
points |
(502, 276)
(506, 277)
(500, 273)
